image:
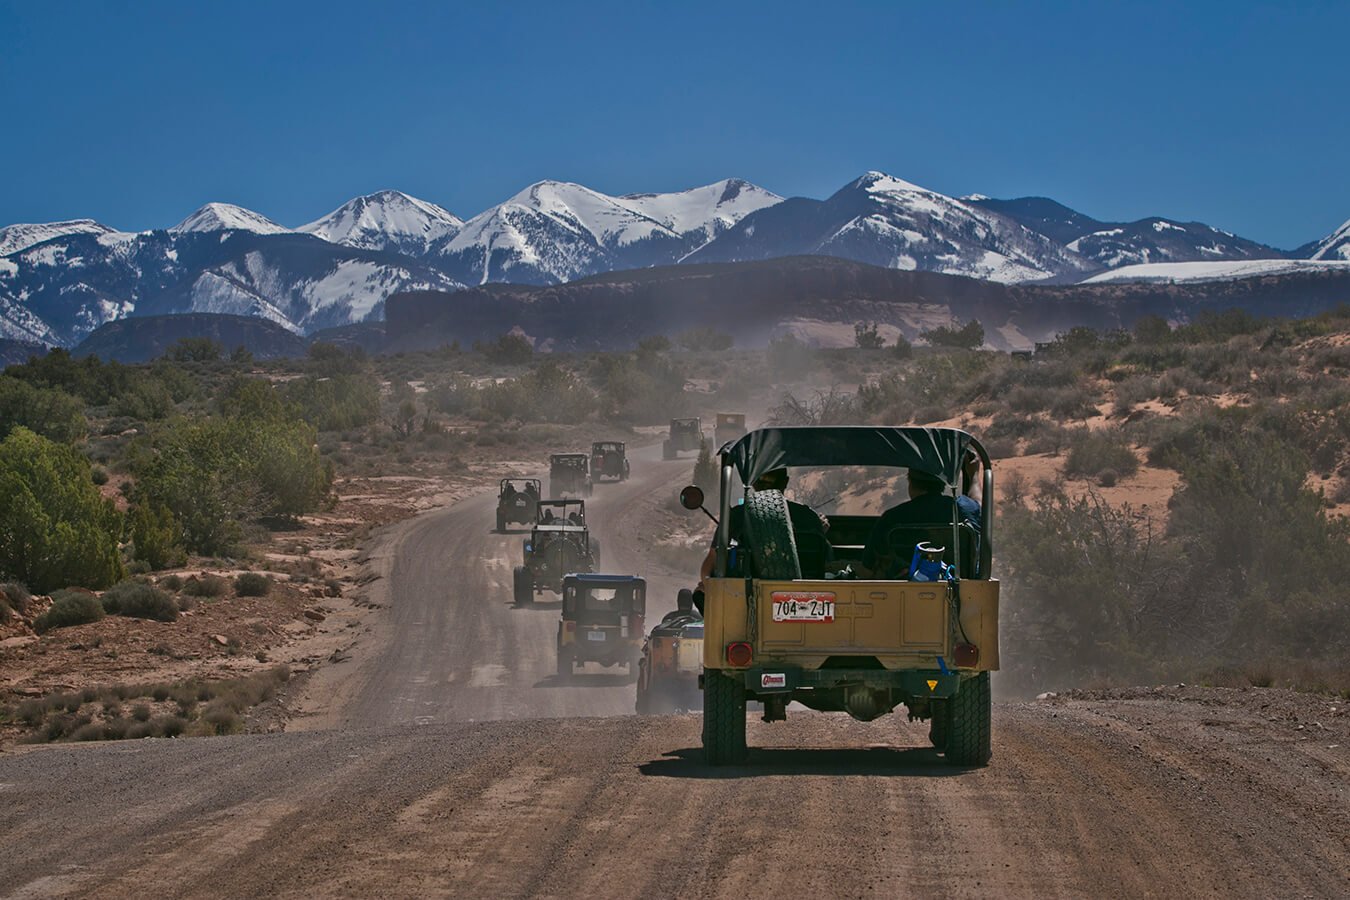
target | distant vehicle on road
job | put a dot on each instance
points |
(685, 434)
(730, 426)
(517, 501)
(559, 545)
(601, 621)
(609, 459)
(569, 473)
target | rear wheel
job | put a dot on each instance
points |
(768, 529)
(723, 719)
(501, 522)
(522, 584)
(968, 730)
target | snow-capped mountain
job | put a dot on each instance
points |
(60, 290)
(1334, 246)
(387, 220)
(556, 231)
(1115, 244)
(227, 217)
(1224, 270)
(14, 238)
(884, 221)
(703, 213)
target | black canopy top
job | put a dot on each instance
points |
(937, 451)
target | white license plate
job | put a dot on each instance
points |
(595, 635)
(803, 606)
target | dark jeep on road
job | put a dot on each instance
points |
(685, 434)
(601, 621)
(517, 500)
(609, 459)
(559, 545)
(569, 473)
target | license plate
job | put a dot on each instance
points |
(803, 606)
(595, 635)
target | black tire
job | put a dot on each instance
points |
(501, 523)
(522, 586)
(937, 725)
(723, 719)
(969, 723)
(768, 529)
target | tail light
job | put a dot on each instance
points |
(739, 654)
(569, 625)
(967, 656)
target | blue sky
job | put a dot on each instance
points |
(136, 113)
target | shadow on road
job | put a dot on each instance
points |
(923, 762)
(535, 604)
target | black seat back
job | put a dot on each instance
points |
(902, 539)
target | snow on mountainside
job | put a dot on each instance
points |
(1335, 245)
(1216, 271)
(225, 217)
(703, 211)
(14, 238)
(556, 231)
(387, 220)
(885, 221)
(1162, 240)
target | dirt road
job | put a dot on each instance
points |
(1181, 792)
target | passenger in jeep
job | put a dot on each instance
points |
(927, 505)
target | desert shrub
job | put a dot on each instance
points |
(252, 584)
(137, 600)
(336, 402)
(195, 349)
(509, 349)
(205, 586)
(145, 399)
(171, 582)
(1090, 590)
(98, 475)
(16, 595)
(705, 470)
(903, 349)
(69, 608)
(705, 338)
(155, 537)
(1091, 453)
(969, 336)
(49, 412)
(832, 407)
(55, 527)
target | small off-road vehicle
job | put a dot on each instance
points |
(685, 434)
(569, 473)
(786, 620)
(672, 660)
(730, 426)
(609, 459)
(559, 545)
(601, 621)
(517, 500)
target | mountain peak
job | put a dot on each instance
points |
(1335, 245)
(386, 220)
(875, 182)
(227, 217)
(21, 236)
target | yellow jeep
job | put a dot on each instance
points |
(793, 616)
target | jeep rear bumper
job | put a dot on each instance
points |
(910, 682)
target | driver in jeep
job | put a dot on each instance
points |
(808, 526)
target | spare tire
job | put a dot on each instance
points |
(768, 531)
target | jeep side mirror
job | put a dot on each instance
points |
(691, 498)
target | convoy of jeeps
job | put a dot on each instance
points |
(850, 612)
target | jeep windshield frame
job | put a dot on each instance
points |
(936, 451)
